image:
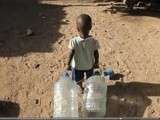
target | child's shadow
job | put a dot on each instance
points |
(117, 76)
(130, 99)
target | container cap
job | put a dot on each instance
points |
(65, 74)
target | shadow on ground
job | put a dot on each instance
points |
(20, 17)
(130, 99)
(117, 76)
(9, 109)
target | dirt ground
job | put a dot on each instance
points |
(31, 64)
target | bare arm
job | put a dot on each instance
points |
(71, 54)
(96, 57)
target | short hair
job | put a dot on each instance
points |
(86, 19)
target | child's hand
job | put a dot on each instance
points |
(96, 65)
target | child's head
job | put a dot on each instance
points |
(84, 24)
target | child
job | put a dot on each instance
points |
(84, 55)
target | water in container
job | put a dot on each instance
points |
(95, 96)
(65, 98)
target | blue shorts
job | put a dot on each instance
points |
(78, 75)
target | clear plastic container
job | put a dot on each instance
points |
(65, 98)
(94, 96)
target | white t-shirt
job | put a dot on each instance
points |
(83, 58)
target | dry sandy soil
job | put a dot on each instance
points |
(31, 64)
